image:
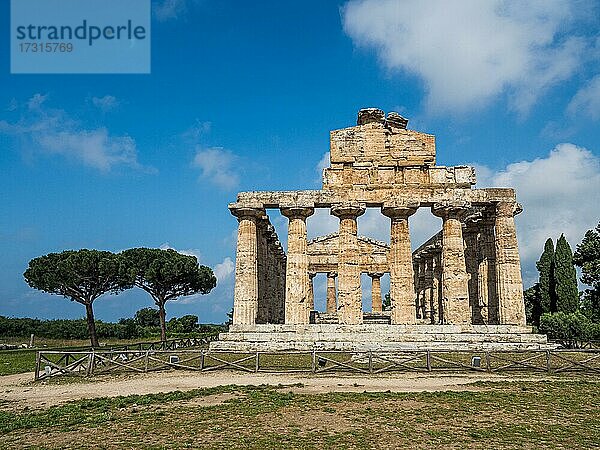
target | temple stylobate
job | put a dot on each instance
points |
(465, 279)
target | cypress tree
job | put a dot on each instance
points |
(547, 291)
(567, 293)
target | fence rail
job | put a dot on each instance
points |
(88, 363)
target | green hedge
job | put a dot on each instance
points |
(571, 330)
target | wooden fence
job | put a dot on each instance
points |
(88, 363)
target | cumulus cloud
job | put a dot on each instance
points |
(559, 194)
(106, 103)
(323, 164)
(224, 270)
(189, 252)
(216, 166)
(586, 101)
(169, 9)
(54, 132)
(469, 52)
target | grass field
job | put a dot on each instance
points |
(552, 414)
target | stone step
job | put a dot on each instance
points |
(381, 346)
(382, 337)
(382, 328)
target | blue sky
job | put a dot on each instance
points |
(242, 96)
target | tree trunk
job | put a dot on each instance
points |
(163, 324)
(91, 324)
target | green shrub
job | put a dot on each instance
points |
(569, 329)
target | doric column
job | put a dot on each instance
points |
(376, 300)
(349, 291)
(245, 296)
(508, 266)
(428, 289)
(437, 289)
(471, 237)
(486, 271)
(455, 288)
(331, 300)
(296, 280)
(402, 289)
(311, 291)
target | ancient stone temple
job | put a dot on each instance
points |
(461, 288)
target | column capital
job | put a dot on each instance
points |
(375, 274)
(348, 210)
(247, 213)
(508, 209)
(311, 275)
(400, 211)
(451, 210)
(297, 212)
(332, 274)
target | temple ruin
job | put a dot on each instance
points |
(462, 287)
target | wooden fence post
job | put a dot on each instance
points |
(548, 368)
(428, 360)
(370, 361)
(201, 360)
(38, 359)
(314, 360)
(488, 362)
(256, 363)
(147, 360)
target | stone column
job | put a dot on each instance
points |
(486, 272)
(428, 289)
(245, 296)
(508, 266)
(455, 289)
(470, 235)
(402, 289)
(349, 291)
(376, 300)
(296, 280)
(331, 300)
(311, 291)
(437, 289)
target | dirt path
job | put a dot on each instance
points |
(19, 391)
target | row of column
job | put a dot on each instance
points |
(331, 296)
(260, 267)
(454, 282)
(475, 275)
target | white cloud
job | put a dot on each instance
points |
(216, 165)
(35, 102)
(559, 193)
(469, 52)
(224, 270)
(54, 132)
(587, 100)
(169, 9)
(189, 252)
(106, 103)
(322, 164)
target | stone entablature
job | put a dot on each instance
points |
(380, 164)
(323, 254)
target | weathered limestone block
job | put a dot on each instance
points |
(402, 289)
(376, 300)
(331, 295)
(349, 291)
(245, 297)
(508, 266)
(455, 289)
(297, 296)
